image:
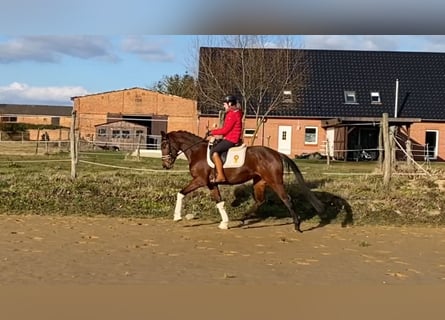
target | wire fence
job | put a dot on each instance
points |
(132, 135)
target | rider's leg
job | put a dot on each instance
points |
(220, 177)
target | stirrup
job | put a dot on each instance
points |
(215, 181)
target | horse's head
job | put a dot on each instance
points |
(169, 153)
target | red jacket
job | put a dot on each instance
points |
(232, 128)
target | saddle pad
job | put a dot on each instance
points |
(234, 159)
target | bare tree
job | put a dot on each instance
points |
(266, 79)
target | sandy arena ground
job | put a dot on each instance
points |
(41, 250)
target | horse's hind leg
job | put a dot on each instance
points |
(259, 187)
(216, 195)
(281, 192)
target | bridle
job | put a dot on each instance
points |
(171, 156)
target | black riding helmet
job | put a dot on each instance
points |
(230, 99)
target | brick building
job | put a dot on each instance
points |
(342, 102)
(44, 115)
(152, 110)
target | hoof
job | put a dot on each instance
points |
(223, 226)
(190, 216)
(177, 218)
(298, 229)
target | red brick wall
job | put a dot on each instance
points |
(269, 137)
(92, 109)
(54, 134)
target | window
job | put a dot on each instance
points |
(310, 135)
(375, 97)
(284, 135)
(125, 134)
(249, 132)
(287, 96)
(139, 133)
(116, 134)
(8, 119)
(101, 132)
(350, 97)
(55, 121)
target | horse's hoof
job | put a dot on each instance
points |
(177, 219)
(223, 226)
(190, 216)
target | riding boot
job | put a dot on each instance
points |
(220, 177)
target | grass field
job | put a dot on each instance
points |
(116, 184)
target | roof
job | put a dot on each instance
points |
(127, 89)
(116, 122)
(421, 79)
(111, 91)
(37, 110)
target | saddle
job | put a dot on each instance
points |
(233, 158)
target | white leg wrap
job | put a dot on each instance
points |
(178, 207)
(224, 224)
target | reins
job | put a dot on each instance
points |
(179, 151)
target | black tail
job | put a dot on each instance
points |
(316, 203)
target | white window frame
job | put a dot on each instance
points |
(248, 132)
(306, 135)
(287, 96)
(102, 132)
(375, 97)
(350, 97)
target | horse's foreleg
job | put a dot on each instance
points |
(178, 208)
(192, 186)
(216, 195)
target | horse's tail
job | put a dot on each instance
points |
(316, 203)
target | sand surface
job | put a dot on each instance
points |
(37, 250)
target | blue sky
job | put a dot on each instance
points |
(49, 69)
(51, 50)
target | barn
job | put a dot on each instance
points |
(134, 109)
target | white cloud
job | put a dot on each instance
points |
(351, 42)
(147, 49)
(24, 94)
(433, 43)
(53, 48)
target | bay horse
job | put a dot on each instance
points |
(263, 165)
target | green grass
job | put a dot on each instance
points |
(114, 184)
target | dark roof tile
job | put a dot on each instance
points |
(43, 110)
(421, 85)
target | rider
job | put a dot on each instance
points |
(231, 132)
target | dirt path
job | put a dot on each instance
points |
(74, 250)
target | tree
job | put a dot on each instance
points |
(266, 79)
(182, 86)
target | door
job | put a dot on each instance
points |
(330, 134)
(431, 143)
(284, 139)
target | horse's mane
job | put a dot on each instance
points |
(191, 137)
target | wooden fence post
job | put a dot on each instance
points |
(73, 149)
(386, 151)
(409, 152)
(328, 155)
(37, 142)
